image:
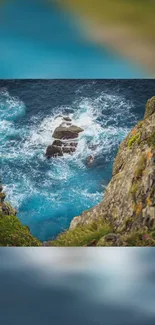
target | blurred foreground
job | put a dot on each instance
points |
(127, 27)
(43, 39)
(77, 286)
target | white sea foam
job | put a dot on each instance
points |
(60, 181)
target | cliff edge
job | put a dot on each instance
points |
(12, 232)
(128, 206)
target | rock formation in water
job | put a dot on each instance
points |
(63, 134)
(125, 216)
(128, 205)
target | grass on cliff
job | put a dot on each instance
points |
(86, 235)
(140, 238)
(13, 233)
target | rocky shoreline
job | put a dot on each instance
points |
(128, 205)
(126, 215)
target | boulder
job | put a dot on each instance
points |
(58, 148)
(54, 151)
(71, 132)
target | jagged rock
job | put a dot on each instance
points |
(7, 209)
(58, 148)
(150, 107)
(2, 197)
(69, 147)
(62, 132)
(71, 132)
(53, 151)
(129, 199)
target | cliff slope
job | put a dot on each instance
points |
(128, 206)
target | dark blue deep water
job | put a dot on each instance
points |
(49, 193)
(38, 40)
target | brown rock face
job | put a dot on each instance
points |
(129, 199)
(71, 132)
(150, 107)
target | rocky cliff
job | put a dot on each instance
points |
(128, 206)
(125, 216)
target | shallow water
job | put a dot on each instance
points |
(49, 193)
(40, 41)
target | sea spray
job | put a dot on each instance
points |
(49, 193)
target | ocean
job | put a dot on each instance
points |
(48, 193)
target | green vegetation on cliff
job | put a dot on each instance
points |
(13, 233)
(101, 234)
(87, 235)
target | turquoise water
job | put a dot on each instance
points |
(49, 193)
(39, 41)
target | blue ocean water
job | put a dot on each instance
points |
(49, 193)
(38, 40)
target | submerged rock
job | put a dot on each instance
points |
(71, 132)
(90, 161)
(67, 118)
